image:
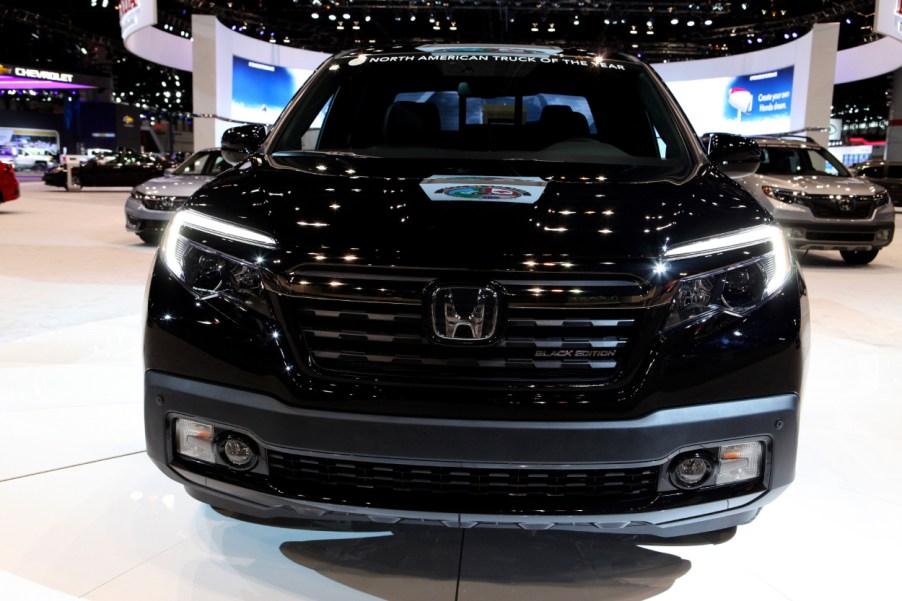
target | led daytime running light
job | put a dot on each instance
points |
(738, 239)
(209, 225)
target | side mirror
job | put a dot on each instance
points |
(734, 155)
(239, 142)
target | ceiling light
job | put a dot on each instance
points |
(690, 23)
(674, 21)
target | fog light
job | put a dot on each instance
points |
(691, 470)
(194, 439)
(797, 233)
(739, 462)
(238, 452)
(882, 235)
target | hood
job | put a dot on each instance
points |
(380, 212)
(815, 184)
(173, 185)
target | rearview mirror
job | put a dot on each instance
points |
(734, 155)
(239, 142)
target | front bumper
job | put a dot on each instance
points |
(807, 232)
(651, 440)
(138, 218)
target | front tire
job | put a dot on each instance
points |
(859, 257)
(151, 238)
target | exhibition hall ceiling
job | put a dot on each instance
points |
(83, 36)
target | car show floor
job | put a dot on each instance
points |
(86, 515)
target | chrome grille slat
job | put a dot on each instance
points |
(573, 323)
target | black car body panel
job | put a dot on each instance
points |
(328, 336)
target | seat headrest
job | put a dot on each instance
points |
(411, 123)
(561, 122)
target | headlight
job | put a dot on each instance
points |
(881, 198)
(735, 289)
(787, 196)
(209, 273)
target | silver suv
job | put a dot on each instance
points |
(818, 202)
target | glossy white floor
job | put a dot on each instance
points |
(84, 514)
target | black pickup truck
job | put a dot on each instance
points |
(479, 286)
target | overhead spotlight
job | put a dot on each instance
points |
(785, 36)
(708, 22)
(314, 15)
(332, 17)
(795, 35)
(437, 25)
(356, 25)
(759, 40)
(674, 21)
(607, 21)
(576, 20)
(453, 26)
(690, 23)
(633, 30)
(551, 28)
(534, 28)
(346, 16)
(413, 17)
(367, 18)
(340, 26)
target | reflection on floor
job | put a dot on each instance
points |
(86, 515)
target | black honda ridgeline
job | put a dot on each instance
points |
(479, 286)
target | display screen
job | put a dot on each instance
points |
(758, 103)
(261, 91)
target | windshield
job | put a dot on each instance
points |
(202, 163)
(485, 106)
(800, 161)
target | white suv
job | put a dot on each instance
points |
(818, 202)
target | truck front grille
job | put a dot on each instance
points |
(163, 203)
(841, 206)
(377, 324)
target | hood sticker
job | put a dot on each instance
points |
(484, 188)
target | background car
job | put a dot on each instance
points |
(151, 204)
(124, 168)
(886, 173)
(818, 202)
(9, 185)
(33, 158)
